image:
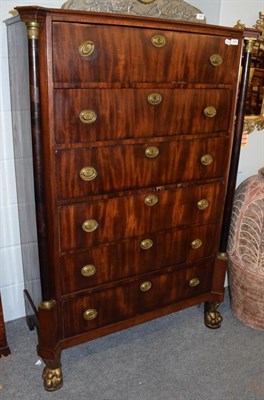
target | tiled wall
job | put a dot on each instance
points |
(11, 275)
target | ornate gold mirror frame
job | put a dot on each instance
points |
(254, 119)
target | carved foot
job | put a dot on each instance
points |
(52, 375)
(212, 318)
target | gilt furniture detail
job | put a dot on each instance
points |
(132, 133)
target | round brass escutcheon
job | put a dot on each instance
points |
(86, 49)
(216, 60)
(158, 40)
(88, 270)
(207, 159)
(210, 111)
(196, 243)
(202, 204)
(145, 286)
(88, 173)
(90, 314)
(194, 282)
(154, 98)
(151, 151)
(88, 116)
(90, 225)
(151, 200)
(146, 244)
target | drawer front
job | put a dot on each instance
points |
(100, 264)
(114, 219)
(106, 114)
(122, 302)
(99, 53)
(106, 169)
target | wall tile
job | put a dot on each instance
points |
(13, 302)
(5, 104)
(9, 226)
(6, 139)
(7, 183)
(11, 266)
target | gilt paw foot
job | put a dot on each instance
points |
(52, 377)
(212, 317)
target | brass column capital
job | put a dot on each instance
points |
(250, 43)
(33, 29)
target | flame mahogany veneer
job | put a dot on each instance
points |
(132, 130)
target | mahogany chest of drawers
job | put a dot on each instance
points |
(132, 123)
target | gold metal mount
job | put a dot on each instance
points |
(216, 60)
(33, 29)
(151, 200)
(90, 225)
(151, 151)
(88, 270)
(146, 244)
(145, 286)
(88, 116)
(86, 49)
(158, 40)
(203, 204)
(207, 159)
(90, 314)
(210, 111)
(88, 173)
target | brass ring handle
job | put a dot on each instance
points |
(151, 200)
(146, 244)
(145, 286)
(86, 49)
(196, 244)
(90, 314)
(90, 225)
(88, 270)
(207, 159)
(216, 60)
(88, 116)
(158, 40)
(151, 151)
(154, 98)
(202, 204)
(210, 111)
(194, 282)
(88, 173)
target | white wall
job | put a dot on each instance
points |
(225, 12)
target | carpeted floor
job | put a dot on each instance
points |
(171, 358)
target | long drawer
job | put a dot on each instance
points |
(107, 114)
(118, 303)
(89, 171)
(118, 218)
(100, 53)
(100, 264)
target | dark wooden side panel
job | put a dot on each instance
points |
(4, 349)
